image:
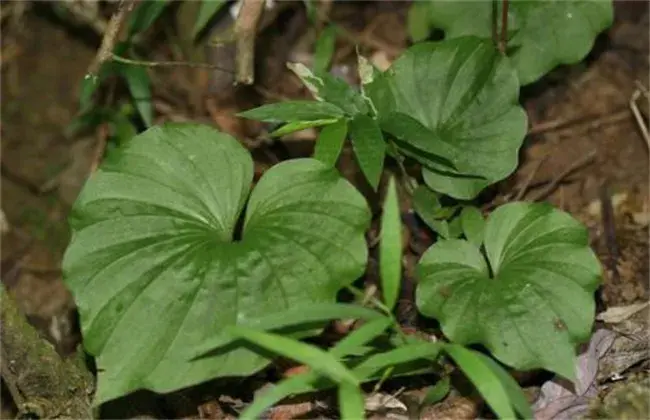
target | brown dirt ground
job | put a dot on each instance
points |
(584, 112)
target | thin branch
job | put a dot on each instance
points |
(609, 231)
(643, 127)
(143, 63)
(529, 179)
(587, 159)
(245, 33)
(593, 122)
(110, 36)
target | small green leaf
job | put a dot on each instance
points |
(122, 128)
(390, 247)
(475, 366)
(138, 82)
(294, 126)
(154, 232)
(534, 302)
(296, 316)
(312, 11)
(546, 33)
(330, 142)
(324, 49)
(328, 88)
(437, 392)
(455, 104)
(473, 224)
(208, 9)
(462, 187)
(312, 356)
(418, 21)
(351, 404)
(427, 205)
(455, 227)
(369, 147)
(294, 111)
(146, 13)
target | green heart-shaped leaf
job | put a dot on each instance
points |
(453, 106)
(545, 34)
(532, 303)
(156, 270)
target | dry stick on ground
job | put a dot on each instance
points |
(637, 112)
(144, 63)
(609, 231)
(588, 158)
(246, 32)
(529, 179)
(591, 121)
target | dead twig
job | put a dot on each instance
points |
(144, 63)
(245, 33)
(643, 127)
(593, 122)
(100, 147)
(105, 52)
(524, 188)
(609, 230)
(587, 159)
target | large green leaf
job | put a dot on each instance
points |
(532, 303)
(156, 270)
(544, 34)
(453, 106)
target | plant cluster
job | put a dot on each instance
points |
(183, 274)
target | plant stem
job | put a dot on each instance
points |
(503, 37)
(110, 36)
(125, 60)
(245, 33)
